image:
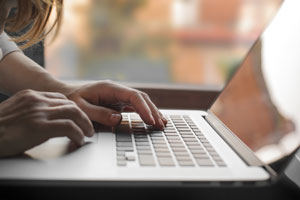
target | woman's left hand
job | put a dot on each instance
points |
(104, 100)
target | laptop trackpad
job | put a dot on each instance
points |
(57, 148)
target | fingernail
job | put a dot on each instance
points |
(115, 118)
(164, 119)
(152, 121)
(92, 133)
(161, 123)
(82, 142)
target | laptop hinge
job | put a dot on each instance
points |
(236, 144)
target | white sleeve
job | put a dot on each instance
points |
(6, 45)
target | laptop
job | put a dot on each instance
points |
(195, 146)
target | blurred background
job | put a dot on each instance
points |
(152, 41)
(195, 43)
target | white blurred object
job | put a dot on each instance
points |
(281, 65)
(185, 13)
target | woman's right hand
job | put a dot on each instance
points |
(30, 118)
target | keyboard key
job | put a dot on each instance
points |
(201, 156)
(169, 126)
(179, 122)
(192, 144)
(177, 149)
(164, 161)
(144, 152)
(204, 140)
(121, 163)
(198, 151)
(177, 145)
(120, 153)
(142, 144)
(221, 163)
(123, 138)
(140, 136)
(121, 158)
(141, 139)
(160, 145)
(162, 149)
(175, 141)
(190, 122)
(170, 131)
(200, 136)
(156, 133)
(186, 133)
(143, 147)
(122, 129)
(214, 153)
(173, 137)
(146, 160)
(171, 134)
(124, 144)
(175, 116)
(156, 136)
(184, 158)
(186, 163)
(139, 132)
(183, 129)
(195, 147)
(124, 148)
(204, 162)
(181, 126)
(130, 158)
(217, 158)
(181, 153)
(163, 154)
(159, 141)
(190, 139)
(210, 149)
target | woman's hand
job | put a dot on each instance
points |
(30, 118)
(104, 100)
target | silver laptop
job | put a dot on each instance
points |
(195, 146)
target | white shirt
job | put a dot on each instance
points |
(6, 45)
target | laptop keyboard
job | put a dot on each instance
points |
(181, 143)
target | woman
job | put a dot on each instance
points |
(42, 107)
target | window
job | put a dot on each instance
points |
(171, 41)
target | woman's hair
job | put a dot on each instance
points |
(36, 14)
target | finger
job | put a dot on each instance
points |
(155, 112)
(53, 95)
(58, 102)
(74, 113)
(164, 119)
(65, 127)
(53, 98)
(138, 102)
(128, 109)
(116, 106)
(100, 114)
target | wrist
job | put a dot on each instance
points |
(52, 84)
(65, 88)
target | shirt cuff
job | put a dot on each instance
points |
(6, 45)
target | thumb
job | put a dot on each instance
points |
(101, 114)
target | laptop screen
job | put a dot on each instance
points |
(261, 102)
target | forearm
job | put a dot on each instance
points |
(18, 72)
